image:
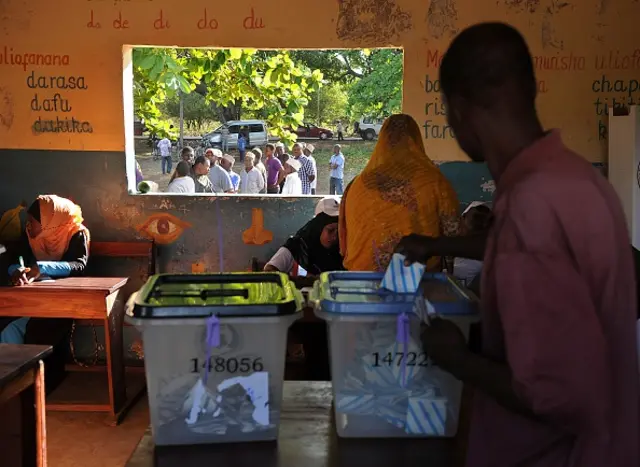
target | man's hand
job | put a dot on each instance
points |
(25, 276)
(417, 248)
(445, 344)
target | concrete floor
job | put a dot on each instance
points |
(77, 439)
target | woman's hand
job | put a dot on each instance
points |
(25, 276)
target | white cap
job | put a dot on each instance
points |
(294, 163)
(472, 205)
(330, 205)
(229, 158)
(279, 144)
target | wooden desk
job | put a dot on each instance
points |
(99, 298)
(307, 439)
(22, 375)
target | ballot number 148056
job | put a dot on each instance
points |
(396, 358)
(227, 365)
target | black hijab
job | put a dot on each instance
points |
(307, 250)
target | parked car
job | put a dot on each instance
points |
(369, 128)
(309, 130)
(257, 130)
(138, 127)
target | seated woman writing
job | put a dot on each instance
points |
(55, 244)
(314, 248)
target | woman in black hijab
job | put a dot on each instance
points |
(314, 247)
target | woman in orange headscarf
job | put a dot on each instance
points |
(55, 244)
(399, 192)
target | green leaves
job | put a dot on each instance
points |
(269, 84)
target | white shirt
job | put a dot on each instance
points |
(292, 185)
(220, 179)
(182, 185)
(283, 262)
(251, 182)
(165, 147)
(314, 183)
(338, 172)
(466, 269)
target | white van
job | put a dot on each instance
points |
(256, 129)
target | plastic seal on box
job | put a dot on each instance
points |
(426, 415)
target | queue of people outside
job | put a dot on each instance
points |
(282, 173)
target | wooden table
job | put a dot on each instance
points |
(307, 439)
(94, 298)
(22, 384)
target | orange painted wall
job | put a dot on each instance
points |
(579, 44)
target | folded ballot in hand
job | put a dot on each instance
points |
(400, 278)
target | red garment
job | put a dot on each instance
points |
(559, 307)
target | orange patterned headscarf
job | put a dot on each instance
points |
(61, 219)
(399, 192)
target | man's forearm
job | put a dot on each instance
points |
(492, 378)
(470, 246)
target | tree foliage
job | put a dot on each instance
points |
(371, 78)
(327, 105)
(270, 84)
(196, 111)
(379, 92)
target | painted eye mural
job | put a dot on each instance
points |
(163, 228)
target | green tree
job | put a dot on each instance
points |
(232, 80)
(378, 92)
(196, 110)
(327, 104)
(372, 78)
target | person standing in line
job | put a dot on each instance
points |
(227, 164)
(164, 146)
(280, 150)
(260, 166)
(283, 175)
(242, 145)
(306, 173)
(183, 182)
(557, 377)
(336, 176)
(251, 180)
(200, 174)
(224, 138)
(308, 151)
(340, 131)
(187, 155)
(274, 169)
(292, 184)
(408, 194)
(219, 177)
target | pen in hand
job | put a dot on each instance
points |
(24, 270)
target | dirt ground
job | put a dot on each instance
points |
(356, 153)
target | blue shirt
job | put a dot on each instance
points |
(242, 143)
(338, 172)
(235, 180)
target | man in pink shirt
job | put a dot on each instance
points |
(556, 383)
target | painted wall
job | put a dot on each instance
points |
(585, 51)
(63, 112)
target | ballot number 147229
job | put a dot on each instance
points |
(396, 358)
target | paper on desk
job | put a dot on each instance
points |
(401, 278)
